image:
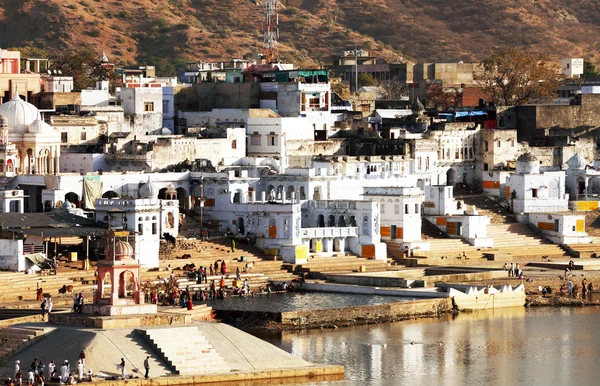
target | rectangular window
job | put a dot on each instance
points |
(534, 193)
(83, 135)
(485, 167)
(154, 228)
(165, 107)
(417, 208)
(148, 106)
(63, 137)
(272, 140)
(255, 140)
(405, 208)
(141, 229)
(234, 144)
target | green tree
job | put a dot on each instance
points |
(84, 65)
(514, 77)
(590, 71)
(365, 79)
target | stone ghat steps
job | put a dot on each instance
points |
(186, 350)
(14, 339)
(584, 250)
(318, 266)
(489, 207)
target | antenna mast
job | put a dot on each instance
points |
(271, 29)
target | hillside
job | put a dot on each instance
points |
(311, 30)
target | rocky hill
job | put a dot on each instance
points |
(311, 30)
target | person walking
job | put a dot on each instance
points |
(17, 368)
(80, 370)
(82, 356)
(147, 366)
(49, 305)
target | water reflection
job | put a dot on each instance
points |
(509, 346)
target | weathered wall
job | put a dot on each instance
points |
(11, 255)
(210, 96)
(366, 314)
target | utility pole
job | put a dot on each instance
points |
(355, 69)
(201, 206)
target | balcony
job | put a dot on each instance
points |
(310, 233)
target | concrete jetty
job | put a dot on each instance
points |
(243, 357)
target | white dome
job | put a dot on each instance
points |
(165, 131)
(19, 114)
(39, 126)
(148, 190)
(527, 163)
(577, 162)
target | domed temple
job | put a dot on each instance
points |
(36, 144)
(120, 267)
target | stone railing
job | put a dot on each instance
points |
(329, 232)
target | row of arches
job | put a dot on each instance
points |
(331, 221)
(277, 193)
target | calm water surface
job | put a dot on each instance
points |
(300, 301)
(550, 346)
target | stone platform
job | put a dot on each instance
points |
(585, 265)
(115, 310)
(122, 321)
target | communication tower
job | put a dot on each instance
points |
(271, 29)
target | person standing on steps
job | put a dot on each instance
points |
(147, 366)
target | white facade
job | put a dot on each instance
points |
(148, 218)
(400, 209)
(144, 107)
(168, 108)
(572, 67)
(58, 84)
(83, 162)
(535, 192)
(561, 228)
(11, 201)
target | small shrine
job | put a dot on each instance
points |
(121, 269)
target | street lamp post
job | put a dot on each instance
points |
(201, 207)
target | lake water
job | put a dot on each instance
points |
(300, 301)
(516, 346)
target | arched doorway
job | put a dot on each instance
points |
(331, 222)
(353, 221)
(110, 194)
(182, 197)
(342, 221)
(271, 193)
(127, 284)
(161, 194)
(106, 282)
(73, 198)
(280, 192)
(290, 191)
(302, 193)
(451, 177)
(240, 225)
(321, 221)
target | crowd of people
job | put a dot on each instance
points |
(38, 373)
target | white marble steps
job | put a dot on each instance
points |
(186, 350)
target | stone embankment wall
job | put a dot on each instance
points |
(366, 314)
(331, 318)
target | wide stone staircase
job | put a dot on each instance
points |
(17, 286)
(318, 267)
(16, 338)
(443, 247)
(512, 240)
(186, 350)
